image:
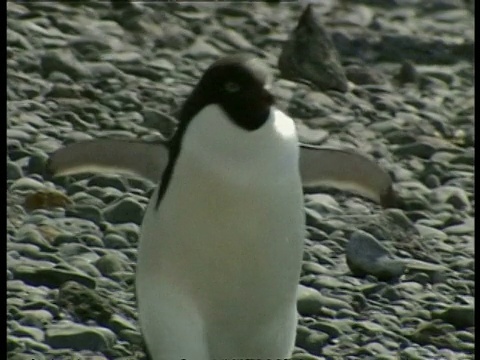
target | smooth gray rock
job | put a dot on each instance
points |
(458, 315)
(51, 277)
(124, 211)
(109, 264)
(36, 318)
(63, 61)
(365, 255)
(79, 337)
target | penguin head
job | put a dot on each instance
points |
(238, 84)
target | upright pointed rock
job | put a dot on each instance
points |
(309, 55)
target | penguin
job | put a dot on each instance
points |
(221, 243)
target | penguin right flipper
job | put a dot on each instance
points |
(132, 157)
(346, 170)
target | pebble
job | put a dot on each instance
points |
(51, 277)
(14, 171)
(365, 255)
(109, 264)
(63, 61)
(124, 210)
(26, 183)
(309, 300)
(452, 195)
(84, 302)
(362, 75)
(202, 50)
(87, 212)
(35, 318)
(459, 316)
(79, 337)
(309, 53)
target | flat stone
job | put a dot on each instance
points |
(63, 61)
(109, 264)
(460, 316)
(124, 211)
(79, 337)
(365, 255)
(84, 303)
(309, 300)
(36, 318)
(51, 277)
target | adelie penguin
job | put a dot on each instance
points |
(220, 249)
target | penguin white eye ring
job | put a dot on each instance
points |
(231, 87)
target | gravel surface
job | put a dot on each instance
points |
(376, 284)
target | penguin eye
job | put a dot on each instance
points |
(231, 87)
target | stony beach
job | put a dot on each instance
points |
(376, 283)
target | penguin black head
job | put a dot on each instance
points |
(237, 83)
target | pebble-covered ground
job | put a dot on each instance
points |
(376, 284)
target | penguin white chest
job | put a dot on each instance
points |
(224, 247)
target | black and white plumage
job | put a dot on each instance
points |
(221, 241)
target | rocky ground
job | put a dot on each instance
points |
(83, 70)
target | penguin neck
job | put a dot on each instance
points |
(215, 143)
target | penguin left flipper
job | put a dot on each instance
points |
(133, 157)
(346, 170)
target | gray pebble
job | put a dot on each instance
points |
(333, 329)
(309, 300)
(36, 318)
(29, 235)
(29, 331)
(85, 303)
(311, 136)
(466, 228)
(365, 255)
(14, 171)
(33, 345)
(109, 264)
(407, 73)
(201, 49)
(312, 341)
(91, 240)
(158, 120)
(114, 241)
(119, 323)
(363, 75)
(84, 211)
(460, 316)
(63, 61)
(59, 77)
(132, 336)
(452, 195)
(124, 210)
(26, 183)
(79, 337)
(51, 277)
(18, 134)
(37, 163)
(114, 181)
(60, 90)
(85, 266)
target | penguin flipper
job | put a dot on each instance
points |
(132, 157)
(346, 170)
